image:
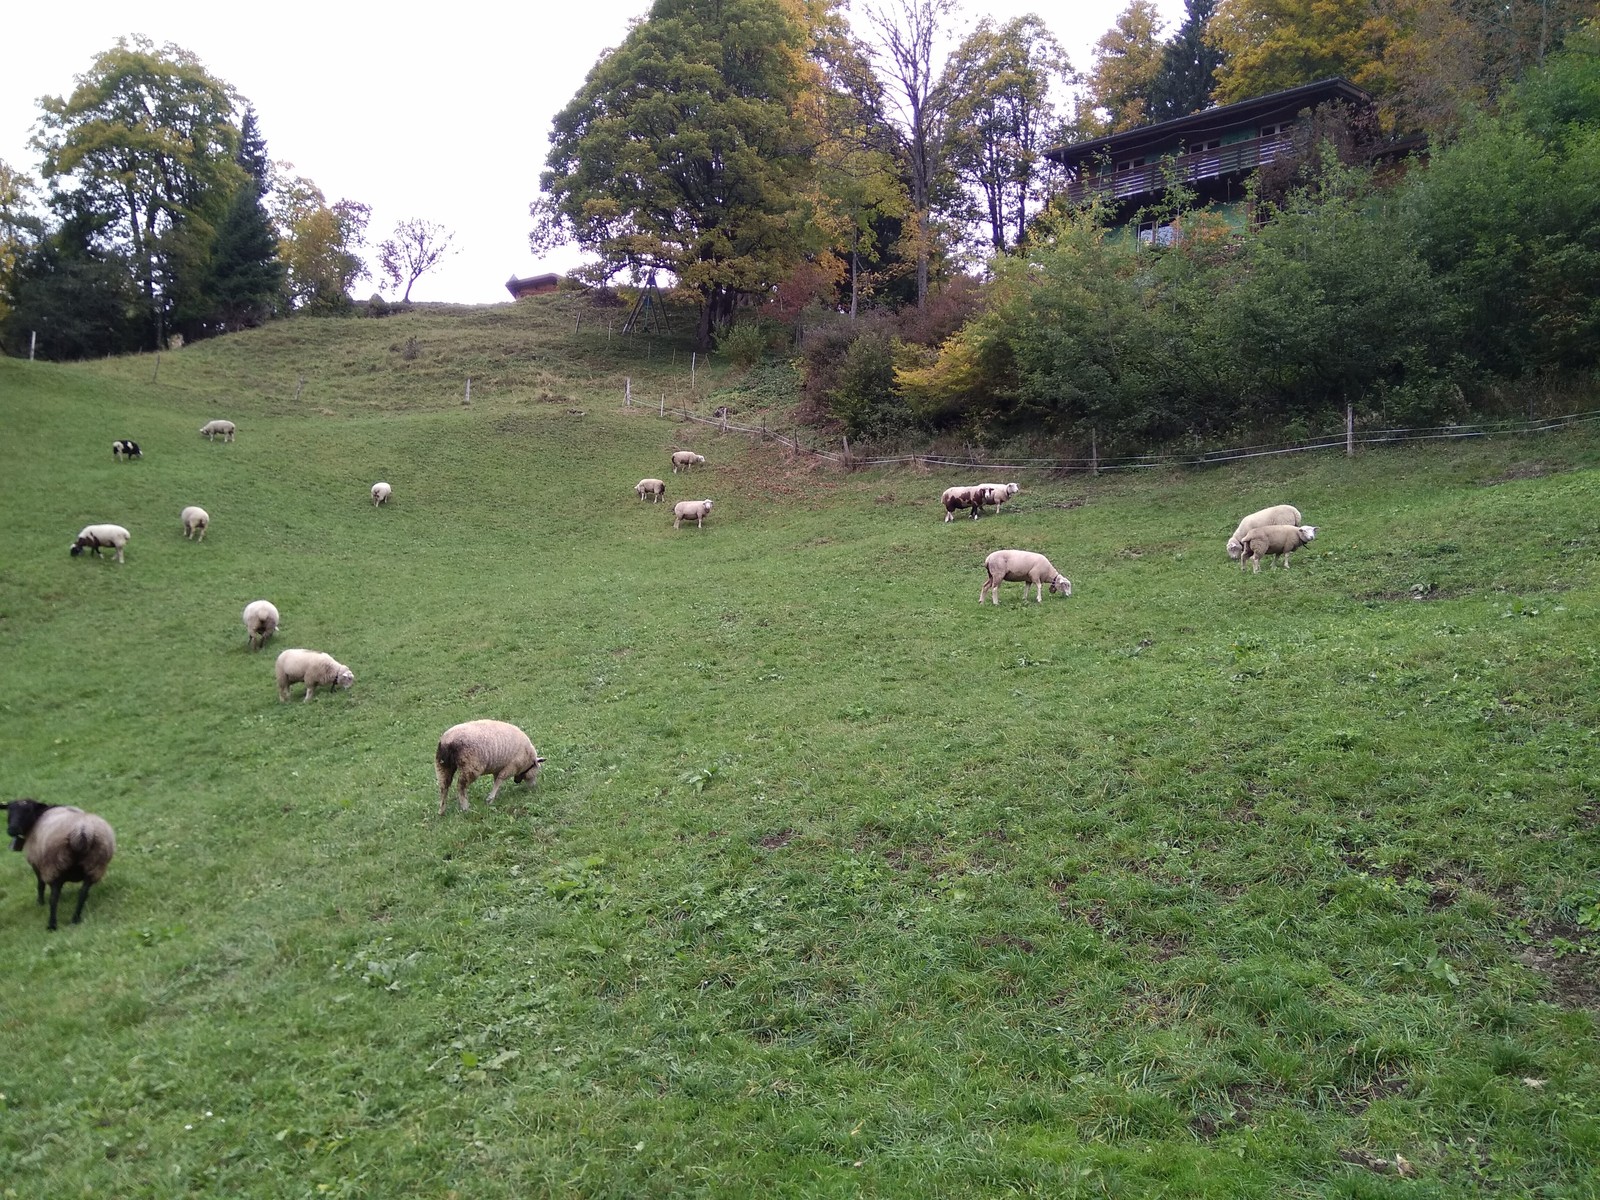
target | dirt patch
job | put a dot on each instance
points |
(1417, 591)
(1557, 953)
(777, 841)
(1525, 470)
(1377, 1088)
(1007, 941)
(1377, 1164)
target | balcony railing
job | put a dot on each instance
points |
(1232, 159)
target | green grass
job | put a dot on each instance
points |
(1193, 884)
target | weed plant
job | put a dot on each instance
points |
(1197, 883)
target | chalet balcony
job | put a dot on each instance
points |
(1236, 158)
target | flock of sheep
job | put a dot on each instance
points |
(64, 844)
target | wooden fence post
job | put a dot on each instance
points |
(1349, 430)
(467, 399)
(627, 391)
(1094, 452)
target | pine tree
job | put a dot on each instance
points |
(1187, 76)
(246, 273)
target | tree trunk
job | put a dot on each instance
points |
(855, 267)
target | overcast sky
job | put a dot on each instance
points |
(443, 116)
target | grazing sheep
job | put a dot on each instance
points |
(698, 509)
(381, 493)
(686, 459)
(476, 748)
(215, 429)
(260, 622)
(195, 522)
(314, 668)
(124, 448)
(1278, 514)
(94, 538)
(959, 497)
(1280, 540)
(656, 489)
(993, 493)
(1026, 566)
(62, 844)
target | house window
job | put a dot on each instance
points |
(1205, 147)
(1276, 130)
(1129, 164)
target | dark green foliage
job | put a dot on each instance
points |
(79, 300)
(244, 273)
(684, 152)
(864, 396)
(1189, 63)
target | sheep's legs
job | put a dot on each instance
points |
(55, 896)
(83, 898)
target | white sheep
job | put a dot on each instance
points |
(214, 429)
(1024, 565)
(656, 489)
(698, 509)
(1279, 540)
(62, 844)
(260, 622)
(380, 493)
(124, 448)
(959, 497)
(94, 538)
(476, 748)
(196, 521)
(1278, 514)
(994, 493)
(314, 668)
(686, 459)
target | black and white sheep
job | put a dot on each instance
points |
(125, 448)
(1270, 540)
(260, 622)
(312, 667)
(196, 521)
(63, 845)
(95, 538)
(684, 509)
(655, 489)
(994, 493)
(686, 459)
(1008, 566)
(955, 498)
(1278, 514)
(212, 430)
(483, 747)
(380, 493)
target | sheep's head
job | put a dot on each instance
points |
(531, 775)
(1235, 548)
(1062, 585)
(345, 678)
(20, 818)
(1308, 531)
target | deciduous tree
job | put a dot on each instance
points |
(415, 248)
(147, 137)
(686, 151)
(319, 244)
(1127, 59)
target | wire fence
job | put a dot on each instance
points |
(1094, 464)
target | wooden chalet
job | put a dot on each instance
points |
(534, 285)
(1214, 152)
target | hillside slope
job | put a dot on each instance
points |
(1197, 883)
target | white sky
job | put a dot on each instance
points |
(443, 116)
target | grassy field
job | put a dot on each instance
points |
(1194, 884)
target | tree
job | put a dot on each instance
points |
(416, 247)
(245, 275)
(1270, 45)
(1001, 115)
(1127, 59)
(19, 228)
(147, 138)
(907, 32)
(76, 296)
(319, 244)
(686, 149)
(1187, 76)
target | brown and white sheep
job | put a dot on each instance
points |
(196, 521)
(655, 489)
(95, 538)
(686, 459)
(955, 498)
